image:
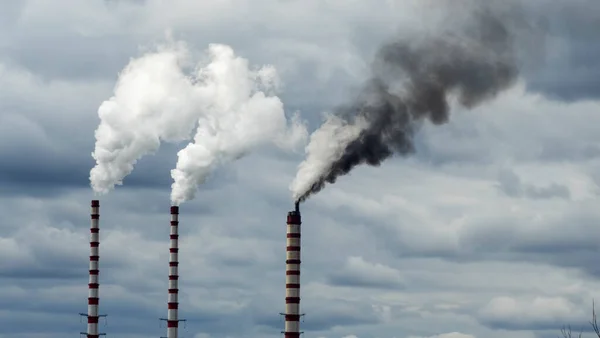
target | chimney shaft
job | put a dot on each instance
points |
(93, 296)
(173, 303)
(292, 275)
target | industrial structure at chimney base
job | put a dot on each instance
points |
(292, 276)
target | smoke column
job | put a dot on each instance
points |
(164, 96)
(411, 81)
(242, 117)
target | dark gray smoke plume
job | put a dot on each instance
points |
(412, 81)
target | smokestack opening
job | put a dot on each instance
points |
(174, 210)
(294, 218)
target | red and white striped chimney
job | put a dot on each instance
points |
(292, 275)
(173, 304)
(93, 297)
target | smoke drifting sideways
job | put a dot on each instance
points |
(242, 117)
(412, 80)
(230, 106)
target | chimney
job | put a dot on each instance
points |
(93, 296)
(292, 275)
(173, 303)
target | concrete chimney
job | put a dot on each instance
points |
(292, 275)
(93, 296)
(173, 302)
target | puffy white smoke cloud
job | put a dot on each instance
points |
(243, 115)
(231, 104)
(153, 101)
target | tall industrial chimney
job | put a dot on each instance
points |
(93, 296)
(292, 276)
(173, 303)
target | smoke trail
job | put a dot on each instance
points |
(241, 118)
(411, 81)
(155, 100)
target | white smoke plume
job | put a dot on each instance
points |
(156, 100)
(327, 144)
(242, 116)
(153, 101)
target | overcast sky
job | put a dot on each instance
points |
(492, 229)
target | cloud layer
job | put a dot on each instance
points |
(489, 230)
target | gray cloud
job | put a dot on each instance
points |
(511, 185)
(11, 10)
(326, 316)
(359, 273)
(571, 70)
(532, 314)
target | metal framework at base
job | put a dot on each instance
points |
(166, 320)
(292, 334)
(92, 335)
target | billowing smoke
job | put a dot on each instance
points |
(241, 117)
(412, 80)
(153, 101)
(231, 106)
